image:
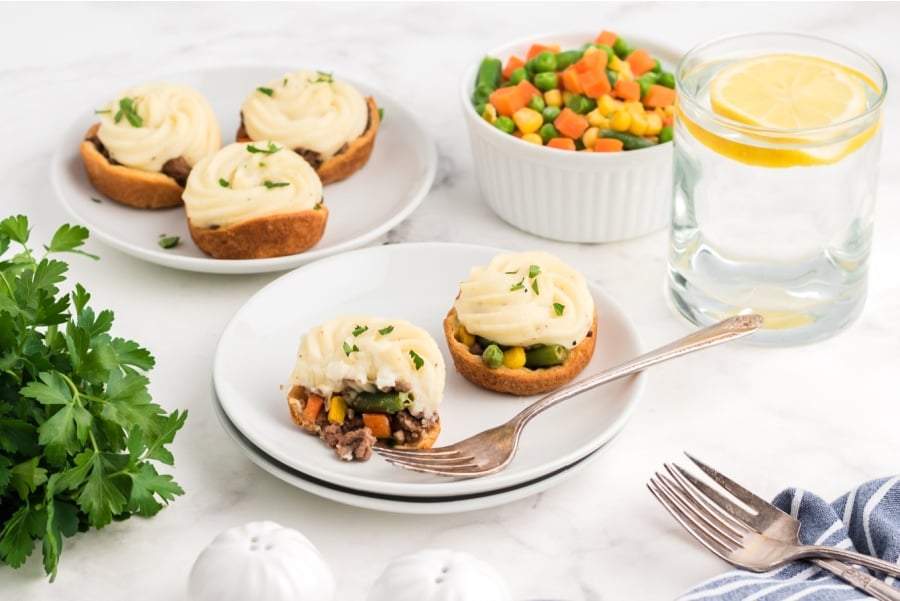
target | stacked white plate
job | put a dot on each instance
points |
(415, 282)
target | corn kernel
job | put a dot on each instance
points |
(464, 336)
(489, 114)
(514, 357)
(634, 107)
(595, 119)
(638, 125)
(606, 105)
(528, 120)
(654, 124)
(589, 137)
(620, 121)
(625, 72)
(533, 139)
(615, 64)
(337, 410)
(590, 50)
(670, 110)
(553, 97)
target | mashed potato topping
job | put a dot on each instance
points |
(364, 354)
(526, 299)
(161, 121)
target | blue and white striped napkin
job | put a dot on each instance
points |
(867, 519)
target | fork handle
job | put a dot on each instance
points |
(873, 586)
(724, 331)
(851, 557)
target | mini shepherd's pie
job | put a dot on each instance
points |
(523, 324)
(325, 120)
(359, 379)
(146, 142)
(254, 200)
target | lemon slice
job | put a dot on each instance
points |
(787, 92)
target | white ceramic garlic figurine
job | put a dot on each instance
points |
(439, 575)
(261, 560)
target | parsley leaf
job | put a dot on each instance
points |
(386, 330)
(269, 185)
(558, 308)
(224, 182)
(128, 109)
(533, 271)
(520, 285)
(350, 349)
(169, 241)
(266, 91)
(417, 360)
(360, 330)
(270, 149)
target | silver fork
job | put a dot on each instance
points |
(759, 537)
(492, 450)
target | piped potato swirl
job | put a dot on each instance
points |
(306, 110)
(174, 121)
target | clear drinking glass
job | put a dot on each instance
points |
(773, 220)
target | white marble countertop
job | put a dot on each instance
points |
(822, 417)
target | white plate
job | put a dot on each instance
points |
(396, 503)
(385, 192)
(416, 282)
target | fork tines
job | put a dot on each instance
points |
(440, 462)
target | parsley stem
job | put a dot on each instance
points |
(76, 398)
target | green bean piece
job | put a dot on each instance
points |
(612, 76)
(645, 81)
(479, 108)
(621, 48)
(629, 141)
(546, 81)
(548, 131)
(518, 75)
(566, 58)
(481, 94)
(381, 402)
(550, 113)
(547, 355)
(580, 104)
(537, 103)
(667, 79)
(666, 134)
(505, 124)
(609, 51)
(544, 62)
(657, 67)
(489, 73)
(492, 357)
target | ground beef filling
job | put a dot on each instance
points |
(352, 440)
(177, 168)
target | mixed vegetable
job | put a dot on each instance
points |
(604, 97)
(494, 355)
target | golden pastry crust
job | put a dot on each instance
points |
(132, 187)
(296, 399)
(263, 237)
(351, 160)
(522, 381)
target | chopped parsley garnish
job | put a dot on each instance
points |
(514, 272)
(269, 185)
(360, 330)
(266, 91)
(534, 286)
(169, 241)
(261, 164)
(417, 360)
(224, 182)
(520, 285)
(272, 148)
(533, 271)
(322, 77)
(386, 330)
(128, 109)
(380, 114)
(317, 206)
(284, 83)
(350, 349)
(102, 112)
(95, 199)
(558, 308)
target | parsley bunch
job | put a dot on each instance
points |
(78, 429)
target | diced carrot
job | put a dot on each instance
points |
(571, 124)
(627, 90)
(561, 143)
(537, 49)
(507, 100)
(512, 64)
(594, 83)
(528, 90)
(640, 62)
(378, 423)
(608, 145)
(312, 407)
(571, 81)
(607, 38)
(668, 121)
(591, 60)
(658, 96)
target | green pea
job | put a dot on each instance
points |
(621, 48)
(569, 57)
(546, 81)
(645, 81)
(537, 103)
(550, 113)
(548, 130)
(544, 62)
(612, 76)
(492, 357)
(529, 66)
(666, 134)
(667, 79)
(657, 67)
(505, 124)
(580, 104)
(518, 75)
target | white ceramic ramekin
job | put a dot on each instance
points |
(565, 195)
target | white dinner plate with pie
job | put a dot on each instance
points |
(418, 283)
(361, 208)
